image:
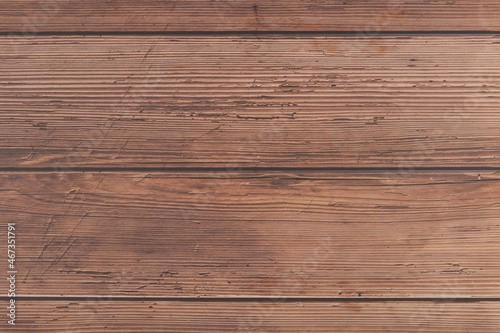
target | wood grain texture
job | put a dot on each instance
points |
(108, 146)
(267, 101)
(97, 315)
(365, 17)
(253, 234)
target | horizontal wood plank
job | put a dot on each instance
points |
(365, 17)
(98, 315)
(255, 234)
(118, 101)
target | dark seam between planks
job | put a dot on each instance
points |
(237, 169)
(361, 33)
(277, 299)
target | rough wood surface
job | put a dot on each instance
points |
(253, 234)
(400, 102)
(125, 127)
(103, 315)
(365, 17)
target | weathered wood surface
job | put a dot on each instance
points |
(249, 89)
(103, 315)
(365, 17)
(430, 234)
(267, 101)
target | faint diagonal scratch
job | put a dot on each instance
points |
(70, 243)
(77, 225)
(56, 260)
(120, 151)
(207, 132)
(309, 204)
(95, 187)
(46, 245)
(153, 45)
(49, 225)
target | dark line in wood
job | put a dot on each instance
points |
(258, 299)
(240, 169)
(365, 34)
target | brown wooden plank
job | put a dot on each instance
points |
(32, 17)
(354, 234)
(97, 315)
(401, 102)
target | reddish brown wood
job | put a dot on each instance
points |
(79, 113)
(365, 17)
(427, 234)
(267, 101)
(98, 315)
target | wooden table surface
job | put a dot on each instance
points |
(267, 166)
